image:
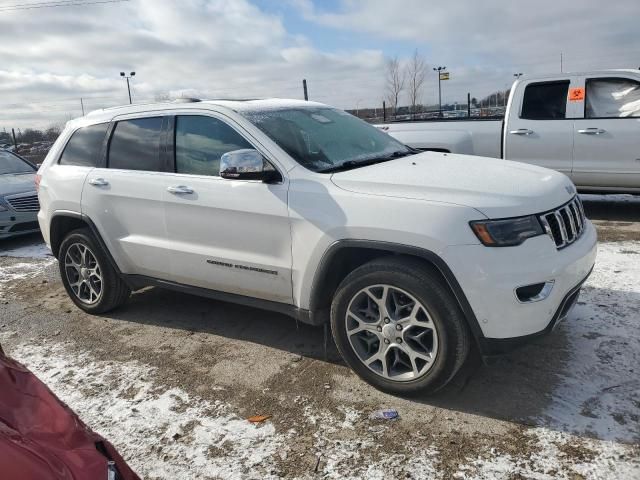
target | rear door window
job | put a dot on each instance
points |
(545, 101)
(84, 147)
(612, 98)
(135, 145)
(201, 141)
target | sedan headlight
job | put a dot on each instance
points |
(507, 232)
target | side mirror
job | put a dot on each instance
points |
(247, 164)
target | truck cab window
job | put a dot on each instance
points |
(612, 98)
(545, 101)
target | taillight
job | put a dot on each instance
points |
(38, 178)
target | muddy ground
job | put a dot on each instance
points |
(565, 406)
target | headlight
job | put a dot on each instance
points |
(507, 232)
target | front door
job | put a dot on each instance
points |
(227, 235)
(607, 139)
(541, 132)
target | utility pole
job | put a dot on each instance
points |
(128, 87)
(304, 88)
(440, 70)
(469, 104)
(384, 111)
(82, 106)
(15, 144)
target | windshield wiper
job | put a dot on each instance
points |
(349, 164)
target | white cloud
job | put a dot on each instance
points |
(222, 48)
(210, 48)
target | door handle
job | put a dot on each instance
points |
(592, 131)
(98, 182)
(180, 190)
(521, 131)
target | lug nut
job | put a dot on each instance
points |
(398, 327)
(386, 320)
(379, 329)
(398, 340)
(386, 340)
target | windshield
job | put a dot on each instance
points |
(9, 163)
(323, 139)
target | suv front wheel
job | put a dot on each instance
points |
(90, 280)
(399, 327)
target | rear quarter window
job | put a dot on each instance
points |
(84, 146)
(135, 145)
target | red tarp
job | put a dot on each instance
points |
(43, 439)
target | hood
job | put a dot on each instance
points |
(497, 188)
(17, 183)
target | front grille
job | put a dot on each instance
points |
(566, 223)
(24, 202)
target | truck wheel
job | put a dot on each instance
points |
(90, 280)
(398, 326)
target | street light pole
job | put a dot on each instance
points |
(127, 77)
(440, 70)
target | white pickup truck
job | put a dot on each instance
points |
(586, 125)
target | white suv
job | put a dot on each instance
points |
(303, 209)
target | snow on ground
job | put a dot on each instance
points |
(41, 256)
(600, 387)
(162, 433)
(166, 433)
(21, 271)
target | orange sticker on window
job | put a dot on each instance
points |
(576, 94)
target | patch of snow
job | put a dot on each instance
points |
(37, 250)
(606, 460)
(599, 391)
(161, 433)
(21, 271)
(625, 198)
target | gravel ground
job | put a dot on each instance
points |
(170, 379)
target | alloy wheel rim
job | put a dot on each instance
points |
(83, 273)
(391, 332)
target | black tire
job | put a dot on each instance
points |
(426, 286)
(113, 293)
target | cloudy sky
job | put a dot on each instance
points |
(51, 57)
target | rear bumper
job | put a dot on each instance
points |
(18, 223)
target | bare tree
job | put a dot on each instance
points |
(416, 73)
(394, 82)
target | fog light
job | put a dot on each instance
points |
(534, 292)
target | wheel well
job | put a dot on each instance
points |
(341, 264)
(61, 225)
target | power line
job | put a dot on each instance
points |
(54, 4)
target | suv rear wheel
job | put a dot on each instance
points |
(90, 280)
(399, 327)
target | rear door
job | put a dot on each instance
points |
(62, 185)
(123, 196)
(227, 235)
(607, 137)
(540, 132)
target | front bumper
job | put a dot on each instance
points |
(18, 223)
(489, 276)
